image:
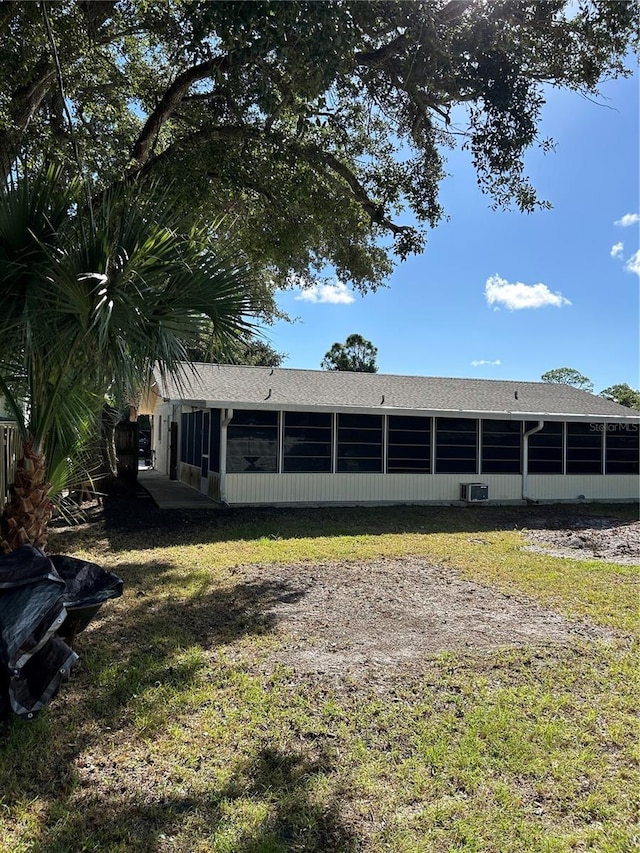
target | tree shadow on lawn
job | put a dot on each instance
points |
(142, 643)
(133, 521)
(267, 806)
(138, 653)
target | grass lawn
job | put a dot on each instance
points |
(176, 731)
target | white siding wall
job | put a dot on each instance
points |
(361, 488)
(594, 487)
(190, 474)
(405, 488)
(380, 488)
(214, 486)
(160, 436)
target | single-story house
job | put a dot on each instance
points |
(260, 435)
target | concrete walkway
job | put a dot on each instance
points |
(172, 494)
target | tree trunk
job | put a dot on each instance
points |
(127, 451)
(26, 515)
(108, 455)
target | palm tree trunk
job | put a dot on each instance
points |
(26, 515)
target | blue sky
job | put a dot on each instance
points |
(507, 295)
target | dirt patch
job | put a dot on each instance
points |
(389, 617)
(599, 538)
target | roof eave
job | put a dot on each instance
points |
(274, 405)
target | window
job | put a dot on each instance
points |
(197, 438)
(359, 443)
(584, 448)
(501, 447)
(622, 448)
(307, 442)
(409, 450)
(545, 448)
(252, 442)
(191, 439)
(456, 446)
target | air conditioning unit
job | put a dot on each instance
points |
(474, 493)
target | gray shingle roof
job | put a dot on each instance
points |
(234, 386)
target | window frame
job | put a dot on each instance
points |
(514, 428)
(446, 464)
(346, 427)
(324, 431)
(583, 457)
(267, 435)
(400, 424)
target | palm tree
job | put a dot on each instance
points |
(89, 301)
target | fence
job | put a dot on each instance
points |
(8, 458)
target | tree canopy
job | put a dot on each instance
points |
(568, 376)
(249, 350)
(257, 353)
(316, 128)
(356, 354)
(623, 394)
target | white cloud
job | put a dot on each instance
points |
(617, 250)
(633, 264)
(483, 362)
(517, 295)
(336, 294)
(627, 220)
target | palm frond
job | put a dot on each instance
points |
(89, 304)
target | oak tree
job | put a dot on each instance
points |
(316, 128)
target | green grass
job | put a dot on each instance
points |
(172, 735)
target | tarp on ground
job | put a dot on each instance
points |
(37, 593)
